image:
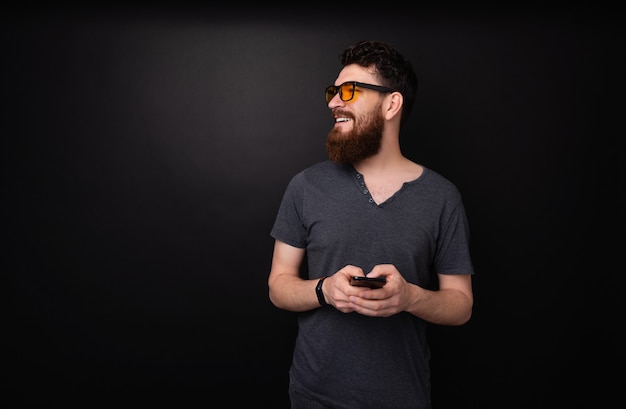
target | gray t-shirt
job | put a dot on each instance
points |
(350, 360)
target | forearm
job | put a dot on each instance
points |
(292, 293)
(443, 307)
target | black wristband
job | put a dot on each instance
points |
(318, 291)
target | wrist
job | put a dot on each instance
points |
(320, 293)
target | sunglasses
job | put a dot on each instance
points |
(346, 90)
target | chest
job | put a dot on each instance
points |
(382, 190)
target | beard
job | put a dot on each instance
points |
(362, 142)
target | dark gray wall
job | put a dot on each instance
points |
(145, 152)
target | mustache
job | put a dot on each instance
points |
(337, 113)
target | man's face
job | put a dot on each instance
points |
(359, 122)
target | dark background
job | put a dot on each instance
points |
(146, 150)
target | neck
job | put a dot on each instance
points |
(388, 159)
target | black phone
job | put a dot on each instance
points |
(371, 282)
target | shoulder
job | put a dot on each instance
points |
(323, 171)
(437, 188)
(434, 179)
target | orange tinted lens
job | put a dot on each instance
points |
(331, 91)
(347, 91)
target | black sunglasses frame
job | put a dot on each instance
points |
(334, 89)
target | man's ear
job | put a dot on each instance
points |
(393, 105)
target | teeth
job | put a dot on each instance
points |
(342, 120)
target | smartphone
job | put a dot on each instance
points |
(371, 282)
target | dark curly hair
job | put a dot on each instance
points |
(393, 70)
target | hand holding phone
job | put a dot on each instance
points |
(370, 282)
